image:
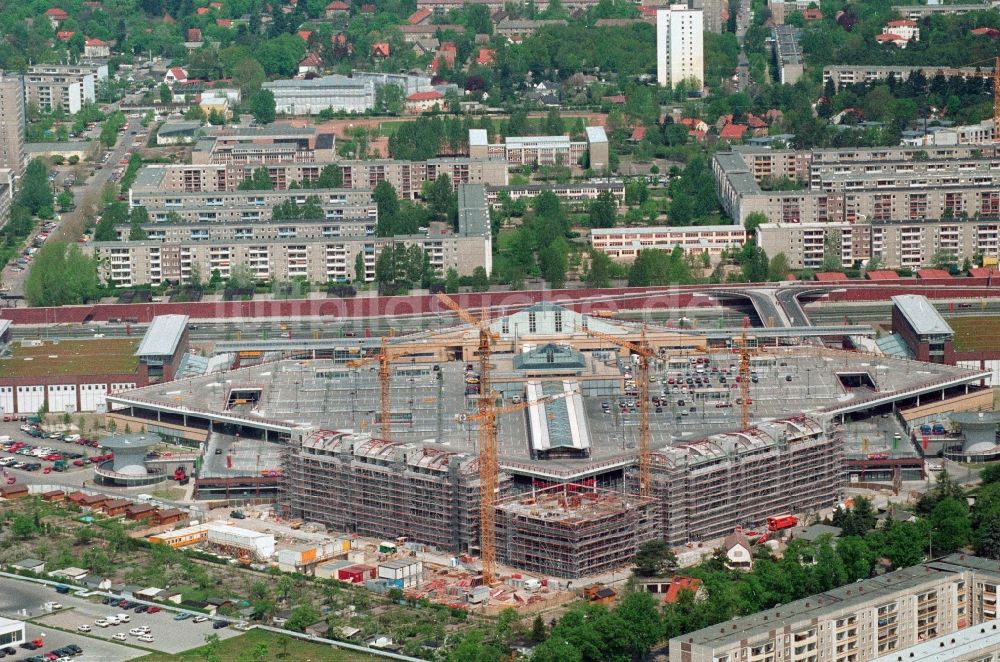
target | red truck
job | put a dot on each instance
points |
(781, 522)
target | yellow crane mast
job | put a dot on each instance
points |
(642, 381)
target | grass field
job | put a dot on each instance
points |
(101, 356)
(296, 650)
(976, 333)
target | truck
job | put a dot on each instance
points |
(939, 429)
(781, 522)
(59, 465)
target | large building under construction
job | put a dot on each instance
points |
(315, 424)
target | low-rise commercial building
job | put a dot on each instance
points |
(542, 150)
(275, 143)
(11, 633)
(312, 96)
(875, 619)
(578, 193)
(624, 244)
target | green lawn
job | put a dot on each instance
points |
(297, 650)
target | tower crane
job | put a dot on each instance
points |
(642, 379)
(489, 481)
(489, 460)
(385, 356)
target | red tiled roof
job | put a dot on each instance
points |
(215, 5)
(933, 273)
(194, 34)
(881, 274)
(617, 98)
(888, 37)
(64, 35)
(224, 22)
(201, 11)
(812, 14)
(487, 56)
(902, 22)
(94, 42)
(679, 584)
(756, 122)
(304, 34)
(830, 276)
(430, 95)
(697, 134)
(56, 13)
(986, 32)
(337, 5)
(419, 16)
(310, 60)
(381, 49)
(982, 272)
(733, 131)
(368, 9)
(639, 133)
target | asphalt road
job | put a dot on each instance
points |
(13, 281)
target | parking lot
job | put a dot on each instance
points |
(169, 635)
(18, 595)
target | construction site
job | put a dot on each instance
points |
(547, 440)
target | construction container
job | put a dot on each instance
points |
(380, 586)
(329, 570)
(387, 547)
(479, 595)
(357, 556)
(259, 545)
(356, 574)
(341, 546)
(402, 573)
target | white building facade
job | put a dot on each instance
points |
(679, 49)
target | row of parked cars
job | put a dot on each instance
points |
(64, 654)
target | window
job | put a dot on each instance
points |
(532, 323)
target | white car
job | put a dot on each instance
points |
(137, 632)
(123, 618)
(83, 628)
(101, 623)
(147, 638)
(112, 620)
(120, 636)
(200, 619)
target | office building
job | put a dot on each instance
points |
(679, 54)
(927, 335)
(68, 87)
(874, 619)
(310, 97)
(543, 150)
(624, 244)
(11, 127)
(11, 633)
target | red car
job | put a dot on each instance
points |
(153, 610)
(78, 463)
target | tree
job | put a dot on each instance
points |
(137, 218)
(166, 96)
(359, 268)
(439, 195)
(241, 277)
(654, 558)
(951, 528)
(553, 260)
(599, 273)
(538, 631)
(778, 268)
(389, 99)
(331, 176)
(387, 203)
(35, 193)
(262, 106)
(988, 538)
(480, 280)
(248, 75)
(943, 259)
(753, 221)
(302, 617)
(23, 527)
(65, 200)
(603, 211)
(451, 281)
(61, 275)
(260, 180)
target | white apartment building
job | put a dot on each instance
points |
(61, 86)
(679, 54)
(624, 244)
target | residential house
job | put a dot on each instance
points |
(224, 22)
(318, 629)
(991, 33)
(733, 132)
(194, 35)
(380, 49)
(694, 124)
(426, 46)
(96, 582)
(812, 14)
(310, 64)
(908, 30)
(422, 102)
(487, 57)
(446, 54)
(420, 16)
(56, 16)
(65, 35)
(337, 9)
(305, 35)
(739, 554)
(175, 75)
